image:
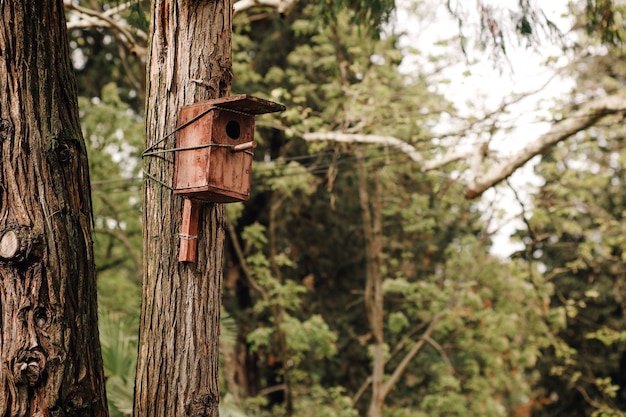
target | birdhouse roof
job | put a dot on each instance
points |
(245, 104)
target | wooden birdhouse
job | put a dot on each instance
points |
(213, 161)
(213, 156)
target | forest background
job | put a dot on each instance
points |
(333, 220)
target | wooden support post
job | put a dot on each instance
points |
(189, 232)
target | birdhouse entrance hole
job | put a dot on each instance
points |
(233, 130)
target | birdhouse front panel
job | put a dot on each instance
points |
(230, 170)
(214, 161)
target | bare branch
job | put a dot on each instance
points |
(373, 139)
(397, 373)
(242, 259)
(441, 351)
(362, 389)
(588, 115)
(448, 158)
(119, 235)
(121, 30)
(89, 18)
(269, 390)
(425, 165)
(587, 398)
(283, 6)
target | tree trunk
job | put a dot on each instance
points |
(374, 302)
(278, 311)
(177, 370)
(51, 363)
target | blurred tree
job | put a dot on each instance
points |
(575, 231)
(108, 42)
(114, 138)
(575, 234)
(402, 298)
(494, 26)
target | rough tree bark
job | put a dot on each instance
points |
(50, 356)
(177, 371)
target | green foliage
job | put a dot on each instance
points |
(260, 337)
(583, 257)
(114, 137)
(365, 13)
(605, 19)
(312, 335)
(304, 242)
(326, 401)
(492, 327)
(138, 16)
(118, 338)
(576, 233)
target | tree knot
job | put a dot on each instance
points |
(16, 244)
(202, 405)
(29, 367)
(6, 129)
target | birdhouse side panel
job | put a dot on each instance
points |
(192, 165)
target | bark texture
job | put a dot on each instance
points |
(50, 360)
(177, 370)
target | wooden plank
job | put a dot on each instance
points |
(189, 231)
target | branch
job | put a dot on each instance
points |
(372, 139)
(423, 338)
(587, 398)
(361, 390)
(439, 349)
(397, 373)
(425, 165)
(242, 260)
(589, 114)
(122, 31)
(283, 6)
(119, 235)
(269, 390)
(89, 18)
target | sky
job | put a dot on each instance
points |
(482, 86)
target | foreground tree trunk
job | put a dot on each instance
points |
(177, 370)
(51, 363)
